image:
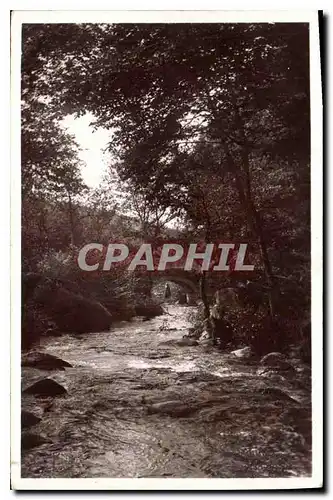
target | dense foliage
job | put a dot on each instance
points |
(211, 128)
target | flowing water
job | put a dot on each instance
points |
(139, 405)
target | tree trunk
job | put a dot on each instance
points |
(254, 220)
(71, 220)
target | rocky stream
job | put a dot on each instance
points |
(141, 401)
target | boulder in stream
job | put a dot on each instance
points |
(172, 408)
(278, 394)
(29, 440)
(245, 353)
(276, 360)
(46, 387)
(28, 419)
(44, 361)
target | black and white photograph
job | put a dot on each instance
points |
(167, 246)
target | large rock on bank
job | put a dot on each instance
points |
(74, 313)
(70, 311)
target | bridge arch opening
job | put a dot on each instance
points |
(174, 289)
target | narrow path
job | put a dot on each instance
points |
(139, 405)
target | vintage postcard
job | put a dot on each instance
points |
(166, 250)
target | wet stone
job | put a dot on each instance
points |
(30, 440)
(276, 360)
(245, 353)
(44, 361)
(171, 408)
(277, 394)
(46, 387)
(28, 419)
